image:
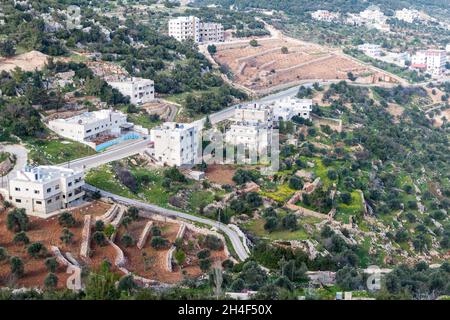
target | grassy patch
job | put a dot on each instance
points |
(104, 178)
(281, 194)
(56, 151)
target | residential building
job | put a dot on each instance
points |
(373, 14)
(431, 61)
(447, 48)
(252, 136)
(407, 15)
(254, 113)
(139, 90)
(372, 50)
(325, 15)
(176, 144)
(90, 125)
(286, 109)
(45, 189)
(184, 28)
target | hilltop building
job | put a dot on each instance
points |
(286, 109)
(184, 28)
(45, 189)
(431, 61)
(139, 90)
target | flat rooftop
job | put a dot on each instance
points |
(44, 173)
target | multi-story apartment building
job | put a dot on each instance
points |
(432, 61)
(184, 28)
(254, 113)
(407, 15)
(90, 125)
(176, 144)
(286, 109)
(372, 50)
(139, 90)
(252, 136)
(45, 189)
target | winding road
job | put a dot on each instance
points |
(238, 246)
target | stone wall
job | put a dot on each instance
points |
(85, 237)
(144, 235)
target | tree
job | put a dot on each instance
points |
(3, 254)
(99, 238)
(51, 264)
(99, 225)
(66, 220)
(253, 43)
(133, 213)
(289, 222)
(295, 183)
(253, 199)
(332, 175)
(284, 50)
(127, 284)
(203, 254)
(155, 231)
(17, 220)
(271, 224)
(351, 76)
(205, 264)
(159, 242)
(180, 257)
(349, 278)
(213, 242)
(346, 198)
(37, 250)
(21, 237)
(66, 236)
(127, 240)
(212, 49)
(253, 276)
(17, 267)
(51, 281)
(237, 285)
(7, 49)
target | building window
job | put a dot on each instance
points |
(36, 192)
(57, 198)
(57, 187)
(38, 202)
(69, 184)
(18, 200)
(49, 201)
(17, 189)
(49, 190)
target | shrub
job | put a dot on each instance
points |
(155, 231)
(3, 254)
(159, 242)
(212, 242)
(51, 281)
(133, 213)
(253, 43)
(127, 240)
(180, 257)
(66, 236)
(290, 222)
(21, 237)
(205, 264)
(203, 254)
(51, 264)
(271, 224)
(17, 267)
(295, 183)
(66, 220)
(17, 220)
(37, 250)
(99, 238)
(99, 225)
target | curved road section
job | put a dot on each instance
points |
(239, 248)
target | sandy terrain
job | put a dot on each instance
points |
(28, 61)
(220, 174)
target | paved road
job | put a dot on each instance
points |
(117, 153)
(232, 235)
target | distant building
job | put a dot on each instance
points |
(140, 91)
(254, 113)
(45, 189)
(407, 15)
(325, 15)
(372, 50)
(447, 48)
(286, 109)
(90, 125)
(251, 136)
(184, 28)
(431, 61)
(176, 144)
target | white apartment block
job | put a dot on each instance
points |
(140, 91)
(286, 109)
(325, 15)
(372, 50)
(407, 15)
(176, 144)
(45, 189)
(254, 113)
(184, 28)
(251, 136)
(90, 125)
(447, 48)
(433, 61)
(373, 14)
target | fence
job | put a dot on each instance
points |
(107, 144)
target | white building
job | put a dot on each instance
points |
(45, 189)
(286, 109)
(251, 136)
(184, 28)
(372, 50)
(176, 144)
(432, 61)
(373, 14)
(254, 113)
(325, 15)
(447, 48)
(140, 91)
(90, 125)
(407, 15)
